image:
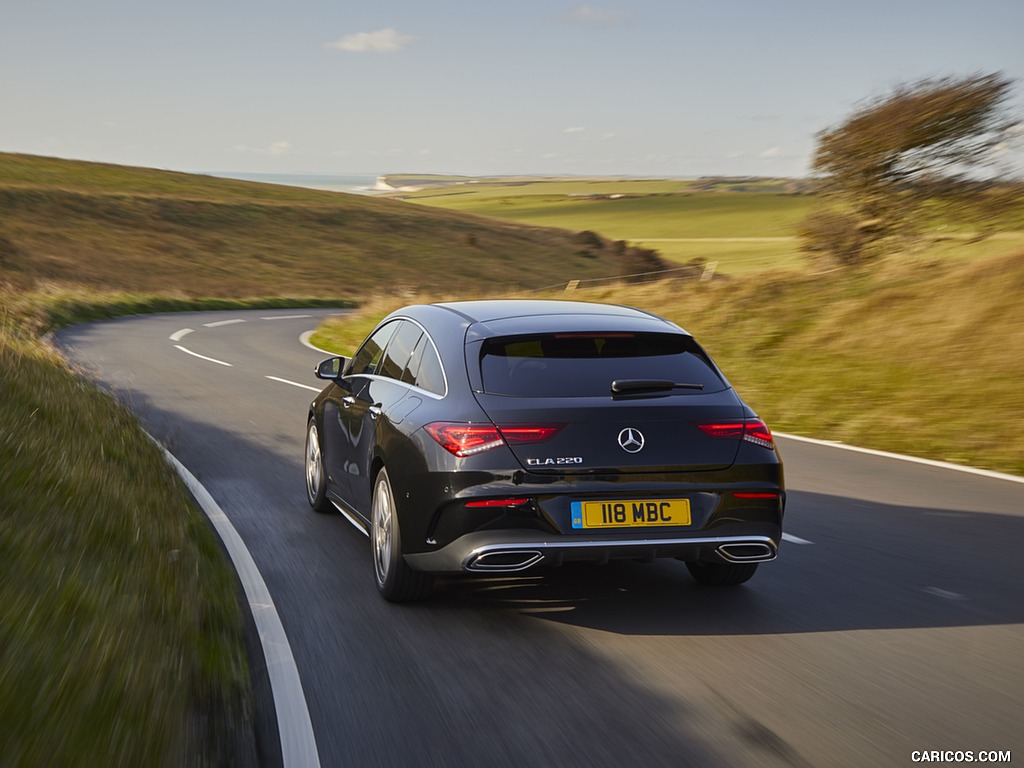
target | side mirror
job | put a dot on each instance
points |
(331, 368)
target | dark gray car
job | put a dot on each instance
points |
(502, 436)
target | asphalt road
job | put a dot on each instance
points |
(891, 623)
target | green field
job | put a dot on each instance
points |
(745, 231)
(640, 217)
(743, 227)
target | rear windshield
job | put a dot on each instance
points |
(586, 364)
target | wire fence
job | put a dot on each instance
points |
(707, 272)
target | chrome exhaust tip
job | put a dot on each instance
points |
(507, 561)
(747, 552)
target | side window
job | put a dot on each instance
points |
(367, 359)
(430, 375)
(396, 356)
(409, 374)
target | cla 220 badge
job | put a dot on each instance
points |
(559, 462)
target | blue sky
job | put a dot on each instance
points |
(641, 88)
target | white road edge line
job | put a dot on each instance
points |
(795, 539)
(201, 357)
(899, 456)
(287, 317)
(293, 383)
(179, 335)
(304, 340)
(298, 744)
(222, 322)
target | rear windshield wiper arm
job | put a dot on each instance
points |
(631, 386)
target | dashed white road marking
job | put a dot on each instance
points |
(795, 539)
(222, 322)
(179, 335)
(293, 383)
(201, 357)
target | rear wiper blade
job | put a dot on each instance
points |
(631, 386)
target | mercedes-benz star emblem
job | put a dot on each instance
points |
(631, 440)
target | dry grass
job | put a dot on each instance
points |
(921, 359)
(116, 228)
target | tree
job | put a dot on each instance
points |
(882, 165)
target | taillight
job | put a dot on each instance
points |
(757, 432)
(462, 440)
(752, 430)
(465, 439)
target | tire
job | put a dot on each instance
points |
(316, 477)
(721, 574)
(396, 581)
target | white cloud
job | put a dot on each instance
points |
(608, 136)
(773, 152)
(381, 41)
(574, 129)
(274, 149)
(589, 15)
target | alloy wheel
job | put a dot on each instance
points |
(383, 528)
(314, 463)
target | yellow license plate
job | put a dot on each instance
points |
(641, 513)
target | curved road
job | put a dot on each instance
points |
(892, 622)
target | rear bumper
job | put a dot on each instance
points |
(513, 551)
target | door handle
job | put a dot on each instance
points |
(375, 411)
(348, 401)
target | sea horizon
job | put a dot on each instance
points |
(353, 183)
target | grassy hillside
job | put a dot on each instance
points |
(120, 631)
(120, 228)
(919, 359)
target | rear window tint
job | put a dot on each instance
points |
(586, 364)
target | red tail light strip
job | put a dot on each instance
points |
(462, 439)
(497, 502)
(752, 430)
(523, 433)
